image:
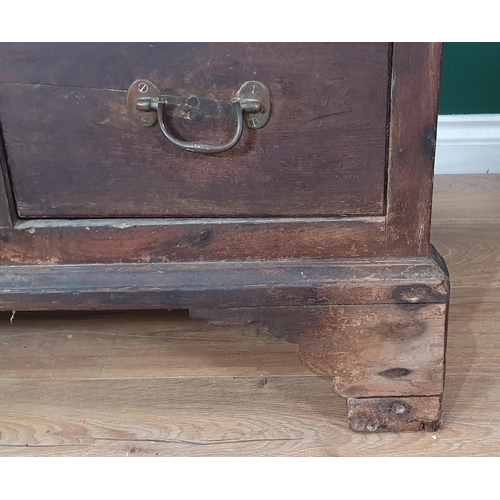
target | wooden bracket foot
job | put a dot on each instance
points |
(394, 414)
(376, 326)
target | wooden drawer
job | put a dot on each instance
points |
(74, 152)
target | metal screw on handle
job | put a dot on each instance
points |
(142, 87)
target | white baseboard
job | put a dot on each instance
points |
(468, 144)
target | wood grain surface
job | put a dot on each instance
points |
(160, 240)
(466, 199)
(472, 255)
(6, 201)
(165, 385)
(416, 70)
(394, 414)
(382, 349)
(198, 285)
(74, 152)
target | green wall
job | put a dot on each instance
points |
(470, 78)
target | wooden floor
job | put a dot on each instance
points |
(160, 384)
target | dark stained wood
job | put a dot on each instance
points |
(316, 227)
(377, 350)
(5, 218)
(412, 140)
(412, 282)
(162, 240)
(5, 194)
(394, 414)
(74, 152)
(117, 65)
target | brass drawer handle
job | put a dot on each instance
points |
(196, 147)
(147, 106)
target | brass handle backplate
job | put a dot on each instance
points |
(146, 105)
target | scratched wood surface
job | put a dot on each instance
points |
(160, 384)
(154, 240)
(412, 142)
(322, 153)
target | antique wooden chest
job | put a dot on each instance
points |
(285, 184)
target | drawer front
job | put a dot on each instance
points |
(74, 152)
